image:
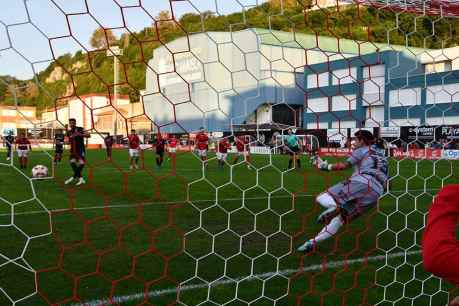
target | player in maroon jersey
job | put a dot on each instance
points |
(23, 147)
(202, 144)
(222, 152)
(172, 146)
(242, 147)
(134, 150)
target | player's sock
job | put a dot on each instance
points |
(79, 170)
(75, 169)
(298, 163)
(290, 163)
(330, 229)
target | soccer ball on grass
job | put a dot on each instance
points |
(39, 171)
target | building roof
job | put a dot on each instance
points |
(327, 43)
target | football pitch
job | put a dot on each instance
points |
(226, 236)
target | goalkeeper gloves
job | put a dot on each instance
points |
(325, 166)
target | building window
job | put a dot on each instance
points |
(318, 80)
(436, 67)
(344, 76)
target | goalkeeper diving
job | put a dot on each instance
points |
(353, 197)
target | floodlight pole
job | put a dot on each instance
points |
(115, 51)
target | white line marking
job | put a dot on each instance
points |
(288, 272)
(135, 205)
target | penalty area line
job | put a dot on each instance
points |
(150, 203)
(263, 276)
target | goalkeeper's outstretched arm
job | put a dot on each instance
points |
(325, 166)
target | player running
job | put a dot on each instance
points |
(59, 140)
(76, 136)
(9, 141)
(134, 150)
(351, 198)
(242, 147)
(222, 151)
(23, 147)
(160, 145)
(293, 148)
(202, 144)
(108, 140)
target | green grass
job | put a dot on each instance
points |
(127, 232)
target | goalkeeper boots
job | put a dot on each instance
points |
(69, 180)
(307, 247)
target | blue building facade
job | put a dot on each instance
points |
(381, 89)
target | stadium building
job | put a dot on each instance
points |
(256, 77)
(390, 89)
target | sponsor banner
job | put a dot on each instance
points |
(336, 152)
(260, 150)
(429, 133)
(450, 132)
(430, 154)
(450, 154)
(389, 132)
(418, 132)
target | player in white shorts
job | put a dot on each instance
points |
(134, 149)
(22, 147)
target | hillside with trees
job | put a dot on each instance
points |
(92, 72)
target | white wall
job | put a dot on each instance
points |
(317, 105)
(442, 94)
(405, 97)
(344, 103)
(404, 122)
(373, 85)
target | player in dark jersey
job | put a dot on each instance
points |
(76, 136)
(108, 140)
(23, 147)
(9, 141)
(353, 197)
(59, 140)
(160, 146)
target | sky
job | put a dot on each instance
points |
(33, 32)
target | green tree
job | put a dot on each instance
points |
(102, 38)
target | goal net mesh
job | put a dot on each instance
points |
(193, 230)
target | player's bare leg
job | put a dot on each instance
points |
(248, 161)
